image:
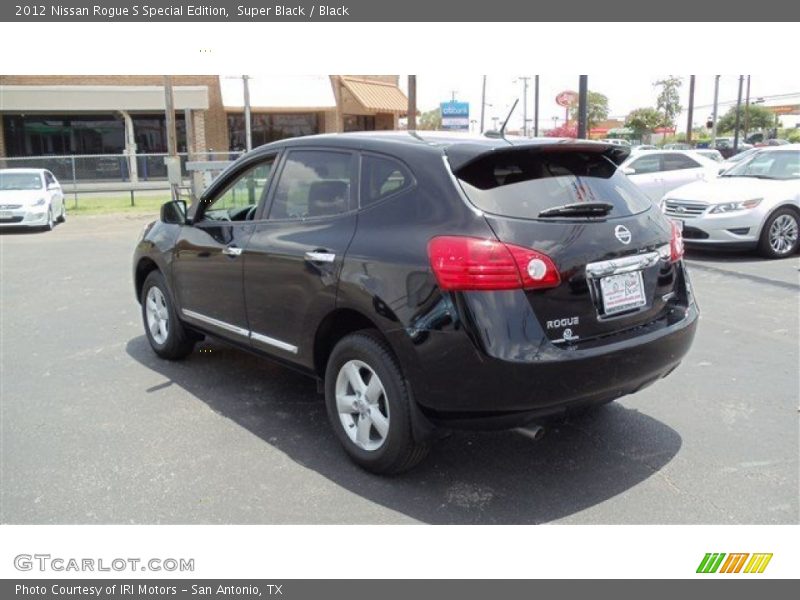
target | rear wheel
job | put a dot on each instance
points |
(50, 223)
(369, 405)
(63, 216)
(779, 237)
(166, 334)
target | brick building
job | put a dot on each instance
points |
(115, 114)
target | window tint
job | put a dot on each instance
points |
(784, 164)
(244, 194)
(675, 162)
(646, 164)
(381, 177)
(522, 183)
(313, 183)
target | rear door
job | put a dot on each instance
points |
(295, 254)
(647, 175)
(680, 169)
(615, 269)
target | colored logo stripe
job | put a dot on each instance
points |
(733, 564)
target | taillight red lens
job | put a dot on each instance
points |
(676, 243)
(465, 263)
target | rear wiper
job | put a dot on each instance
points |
(578, 209)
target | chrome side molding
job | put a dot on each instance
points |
(252, 335)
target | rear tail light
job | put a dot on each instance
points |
(465, 263)
(675, 243)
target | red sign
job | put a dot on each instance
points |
(567, 98)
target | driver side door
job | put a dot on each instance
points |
(207, 259)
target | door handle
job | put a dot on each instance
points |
(324, 257)
(232, 251)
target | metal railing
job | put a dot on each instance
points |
(93, 173)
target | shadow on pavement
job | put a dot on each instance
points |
(468, 478)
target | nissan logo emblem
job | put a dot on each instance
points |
(622, 233)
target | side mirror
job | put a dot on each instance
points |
(629, 170)
(174, 212)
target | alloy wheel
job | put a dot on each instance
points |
(362, 405)
(783, 234)
(157, 315)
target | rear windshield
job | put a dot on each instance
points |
(522, 183)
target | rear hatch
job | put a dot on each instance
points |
(610, 244)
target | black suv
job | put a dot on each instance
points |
(427, 281)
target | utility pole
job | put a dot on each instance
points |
(536, 106)
(453, 95)
(714, 114)
(172, 162)
(483, 102)
(248, 132)
(583, 106)
(738, 114)
(525, 81)
(412, 102)
(747, 110)
(691, 110)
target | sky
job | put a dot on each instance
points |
(625, 92)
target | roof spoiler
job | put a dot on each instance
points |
(461, 155)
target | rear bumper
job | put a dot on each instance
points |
(459, 385)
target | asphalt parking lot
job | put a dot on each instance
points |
(96, 429)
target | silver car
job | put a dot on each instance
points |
(754, 204)
(30, 198)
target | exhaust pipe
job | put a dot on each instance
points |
(534, 432)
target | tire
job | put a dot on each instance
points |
(383, 409)
(50, 223)
(167, 336)
(779, 237)
(62, 218)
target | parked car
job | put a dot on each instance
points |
(658, 172)
(30, 198)
(725, 146)
(642, 147)
(710, 153)
(616, 142)
(427, 281)
(677, 146)
(756, 203)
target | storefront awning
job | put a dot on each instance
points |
(377, 96)
(51, 98)
(279, 93)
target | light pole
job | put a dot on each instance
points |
(714, 114)
(248, 131)
(525, 81)
(738, 115)
(536, 107)
(483, 102)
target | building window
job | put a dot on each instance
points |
(269, 127)
(359, 123)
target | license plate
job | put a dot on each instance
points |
(6, 214)
(679, 223)
(622, 292)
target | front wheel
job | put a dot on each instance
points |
(369, 405)
(167, 336)
(779, 237)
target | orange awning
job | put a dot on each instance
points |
(377, 96)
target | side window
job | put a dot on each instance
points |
(647, 164)
(313, 183)
(676, 162)
(238, 201)
(49, 179)
(381, 177)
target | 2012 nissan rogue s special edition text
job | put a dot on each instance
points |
(429, 282)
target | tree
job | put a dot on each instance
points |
(597, 109)
(563, 131)
(759, 118)
(644, 120)
(669, 100)
(431, 119)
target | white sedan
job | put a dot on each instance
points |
(755, 203)
(658, 172)
(30, 198)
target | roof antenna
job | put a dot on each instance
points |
(508, 118)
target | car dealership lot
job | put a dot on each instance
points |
(96, 429)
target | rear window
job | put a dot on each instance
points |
(523, 183)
